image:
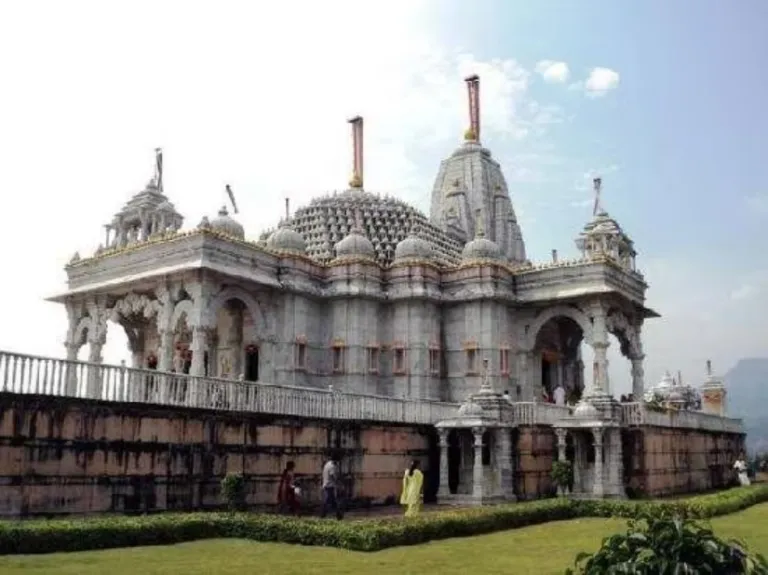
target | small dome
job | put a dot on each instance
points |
(287, 239)
(355, 245)
(666, 382)
(470, 409)
(227, 225)
(585, 409)
(481, 248)
(166, 206)
(413, 248)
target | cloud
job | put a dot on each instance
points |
(232, 106)
(745, 291)
(601, 81)
(553, 72)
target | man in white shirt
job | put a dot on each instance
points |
(559, 395)
(331, 487)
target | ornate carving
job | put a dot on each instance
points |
(627, 333)
(135, 306)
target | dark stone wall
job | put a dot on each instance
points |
(63, 455)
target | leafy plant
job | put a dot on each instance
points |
(233, 491)
(562, 474)
(664, 545)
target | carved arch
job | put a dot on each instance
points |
(619, 325)
(235, 293)
(182, 308)
(549, 313)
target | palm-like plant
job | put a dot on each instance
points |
(665, 545)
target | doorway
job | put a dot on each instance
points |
(252, 363)
(454, 461)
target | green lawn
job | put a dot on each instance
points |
(541, 549)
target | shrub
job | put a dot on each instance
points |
(48, 536)
(668, 546)
(233, 491)
(562, 474)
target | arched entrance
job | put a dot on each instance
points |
(559, 369)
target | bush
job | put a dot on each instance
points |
(668, 546)
(37, 536)
(233, 491)
(562, 474)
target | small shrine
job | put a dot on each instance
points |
(671, 393)
(476, 449)
(713, 394)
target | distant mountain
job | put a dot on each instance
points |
(747, 384)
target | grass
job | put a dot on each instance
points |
(541, 549)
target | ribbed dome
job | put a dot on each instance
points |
(413, 248)
(585, 409)
(470, 409)
(481, 249)
(355, 245)
(287, 239)
(227, 225)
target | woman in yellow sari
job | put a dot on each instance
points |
(413, 481)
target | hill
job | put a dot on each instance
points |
(747, 385)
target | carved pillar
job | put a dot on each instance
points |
(579, 456)
(165, 330)
(528, 382)
(638, 378)
(562, 435)
(198, 347)
(600, 384)
(478, 487)
(615, 464)
(598, 488)
(70, 377)
(165, 353)
(94, 379)
(504, 461)
(444, 488)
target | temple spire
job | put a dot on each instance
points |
(357, 153)
(473, 90)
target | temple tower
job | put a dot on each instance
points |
(470, 180)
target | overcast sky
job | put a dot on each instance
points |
(663, 100)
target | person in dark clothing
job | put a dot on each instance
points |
(288, 492)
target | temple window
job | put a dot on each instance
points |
(338, 358)
(301, 355)
(504, 361)
(399, 360)
(434, 360)
(373, 359)
(471, 360)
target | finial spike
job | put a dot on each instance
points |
(597, 184)
(479, 229)
(159, 168)
(287, 209)
(231, 196)
(357, 153)
(709, 367)
(473, 90)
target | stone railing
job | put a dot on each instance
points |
(538, 413)
(638, 414)
(21, 373)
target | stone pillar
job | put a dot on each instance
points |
(504, 461)
(600, 384)
(444, 489)
(638, 382)
(70, 377)
(529, 389)
(578, 462)
(561, 434)
(598, 488)
(615, 464)
(478, 487)
(94, 385)
(165, 353)
(199, 347)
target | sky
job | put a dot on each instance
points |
(664, 100)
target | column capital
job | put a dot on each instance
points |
(638, 358)
(597, 433)
(601, 344)
(561, 433)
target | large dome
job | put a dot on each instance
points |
(286, 239)
(385, 222)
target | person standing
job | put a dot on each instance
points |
(741, 469)
(331, 488)
(287, 494)
(413, 482)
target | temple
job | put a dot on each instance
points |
(364, 295)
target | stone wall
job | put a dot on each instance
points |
(661, 461)
(62, 455)
(534, 453)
